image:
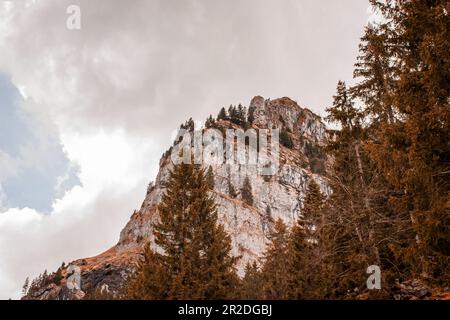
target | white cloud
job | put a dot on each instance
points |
(2, 200)
(87, 219)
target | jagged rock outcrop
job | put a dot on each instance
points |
(280, 194)
(277, 196)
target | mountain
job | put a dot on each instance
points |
(276, 196)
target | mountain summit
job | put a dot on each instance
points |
(302, 133)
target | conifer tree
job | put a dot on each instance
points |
(210, 178)
(343, 110)
(189, 125)
(210, 122)
(25, 287)
(151, 281)
(231, 190)
(56, 278)
(362, 228)
(241, 115)
(413, 152)
(311, 212)
(222, 114)
(307, 249)
(251, 115)
(193, 260)
(232, 114)
(252, 283)
(275, 268)
(267, 220)
(246, 192)
(376, 71)
(33, 286)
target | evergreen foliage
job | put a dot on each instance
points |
(275, 268)
(252, 283)
(222, 114)
(231, 190)
(193, 260)
(246, 192)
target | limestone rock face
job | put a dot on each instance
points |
(274, 197)
(277, 196)
(303, 123)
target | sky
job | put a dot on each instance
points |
(85, 114)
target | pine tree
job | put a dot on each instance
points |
(237, 115)
(275, 269)
(25, 287)
(351, 165)
(376, 72)
(252, 283)
(413, 152)
(267, 220)
(189, 125)
(210, 178)
(231, 190)
(358, 209)
(210, 122)
(222, 114)
(241, 115)
(311, 212)
(193, 260)
(251, 115)
(343, 110)
(56, 278)
(246, 192)
(307, 249)
(232, 114)
(33, 287)
(151, 281)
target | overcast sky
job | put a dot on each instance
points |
(85, 114)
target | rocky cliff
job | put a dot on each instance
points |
(276, 196)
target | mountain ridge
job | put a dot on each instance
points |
(278, 196)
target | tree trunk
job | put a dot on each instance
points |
(367, 204)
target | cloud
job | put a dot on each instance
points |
(87, 219)
(112, 93)
(2, 200)
(190, 56)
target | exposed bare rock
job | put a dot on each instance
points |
(281, 194)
